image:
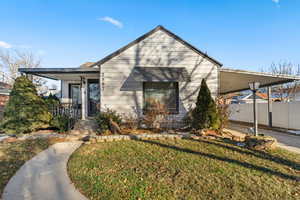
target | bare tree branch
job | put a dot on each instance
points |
(12, 60)
(284, 91)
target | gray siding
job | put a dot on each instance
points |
(122, 93)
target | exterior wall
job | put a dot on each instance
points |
(285, 114)
(122, 93)
(65, 90)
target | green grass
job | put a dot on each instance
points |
(183, 169)
(14, 155)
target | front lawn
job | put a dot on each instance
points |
(183, 169)
(14, 155)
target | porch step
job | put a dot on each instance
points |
(85, 127)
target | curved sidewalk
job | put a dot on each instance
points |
(45, 176)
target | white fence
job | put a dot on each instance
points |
(285, 115)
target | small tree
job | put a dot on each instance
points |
(205, 114)
(223, 111)
(25, 110)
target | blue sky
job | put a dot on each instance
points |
(244, 34)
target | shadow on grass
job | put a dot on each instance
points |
(258, 154)
(224, 159)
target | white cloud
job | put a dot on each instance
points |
(276, 1)
(112, 21)
(5, 45)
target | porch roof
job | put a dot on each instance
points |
(232, 80)
(61, 73)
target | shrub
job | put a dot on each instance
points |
(223, 112)
(25, 110)
(130, 121)
(103, 117)
(154, 114)
(205, 114)
(61, 122)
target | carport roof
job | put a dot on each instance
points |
(233, 80)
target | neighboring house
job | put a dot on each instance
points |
(248, 98)
(296, 94)
(4, 95)
(260, 98)
(157, 66)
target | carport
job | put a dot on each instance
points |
(232, 80)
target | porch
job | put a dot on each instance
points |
(80, 87)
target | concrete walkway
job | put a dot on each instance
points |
(45, 177)
(285, 140)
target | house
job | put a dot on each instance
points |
(4, 93)
(5, 89)
(248, 98)
(292, 94)
(296, 95)
(156, 66)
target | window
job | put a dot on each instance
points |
(74, 93)
(166, 93)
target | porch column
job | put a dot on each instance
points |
(82, 83)
(269, 89)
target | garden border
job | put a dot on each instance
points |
(111, 138)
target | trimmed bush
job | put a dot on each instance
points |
(205, 114)
(25, 111)
(102, 119)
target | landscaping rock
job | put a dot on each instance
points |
(238, 139)
(172, 132)
(261, 142)
(194, 137)
(10, 140)
(86, 138)
(209, 137)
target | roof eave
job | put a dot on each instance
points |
(58, 70)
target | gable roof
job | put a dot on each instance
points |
(119, 51)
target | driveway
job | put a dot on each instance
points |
(285, 140)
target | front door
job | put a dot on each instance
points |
(93, 96)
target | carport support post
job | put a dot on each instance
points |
(270, 107)
(254, 112)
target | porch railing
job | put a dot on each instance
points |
(70, 110)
